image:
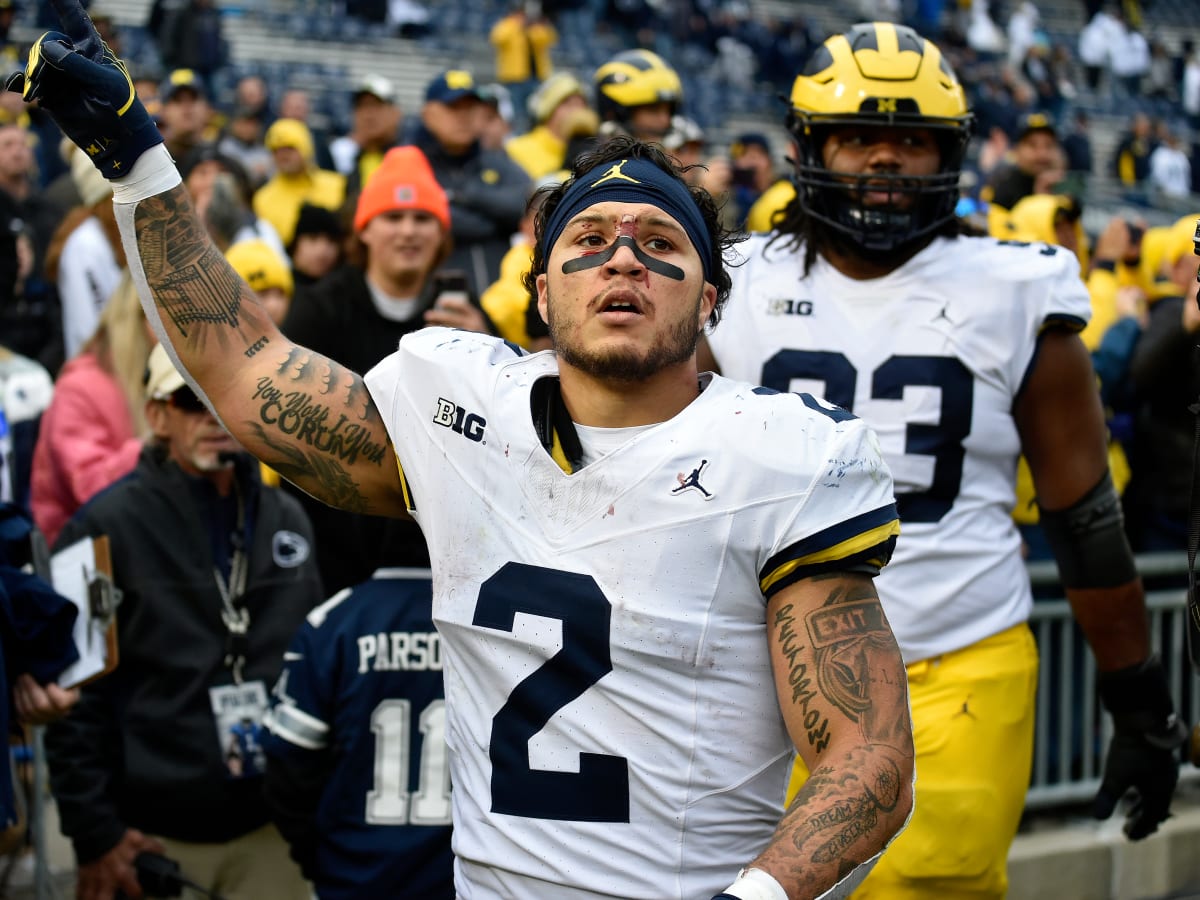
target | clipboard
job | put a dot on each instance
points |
(82, 573)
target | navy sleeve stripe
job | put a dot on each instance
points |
(866, 536)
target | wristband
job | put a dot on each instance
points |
(153, 173)
(754, 884)
(1105, 265)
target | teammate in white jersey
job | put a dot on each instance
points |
(652, 588)
(961, 352)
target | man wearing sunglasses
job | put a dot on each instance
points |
(216, 574)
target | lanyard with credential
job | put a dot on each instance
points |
(235, 616)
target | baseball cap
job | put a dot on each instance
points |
(1034, 122)
(450, 86)
(289, 133)
(162, 379)
(260, 266)
(403, 180)
(181, 80)
(497, 97)
(749, 139)
(376, 86)
(552, 92)
(91, 185)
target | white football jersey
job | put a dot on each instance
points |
(932, 356)
(612, 718)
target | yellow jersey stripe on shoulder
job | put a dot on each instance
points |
(866, 540)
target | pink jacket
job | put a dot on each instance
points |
(86, 442)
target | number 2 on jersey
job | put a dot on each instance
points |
(943, 440)
(599, 791)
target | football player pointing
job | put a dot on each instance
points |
(961, 352)
(644, 614)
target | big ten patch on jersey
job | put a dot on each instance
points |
(450, 415)
(789, 306)
(399, 651)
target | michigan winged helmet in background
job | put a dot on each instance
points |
(868, 77)
(637, 93)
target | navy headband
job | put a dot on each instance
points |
(632, 181)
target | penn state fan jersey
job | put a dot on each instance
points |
(611, 715)
(932, 357)
(362, 685)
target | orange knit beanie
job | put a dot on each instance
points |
(403, 180)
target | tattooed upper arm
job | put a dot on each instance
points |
(844, 694)
(838, 670)
(308, 417)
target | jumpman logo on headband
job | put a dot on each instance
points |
(692, 482)
(615, 173)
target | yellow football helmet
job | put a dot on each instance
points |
(878, 74)
(635, 78)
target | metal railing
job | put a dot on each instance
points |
(1072, 729)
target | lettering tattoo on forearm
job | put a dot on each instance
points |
(851, 643)
(801, 681)
(332, 482)
(191, 282)
(317, 419)
(297, 414)
(842, 656)
(863, 790)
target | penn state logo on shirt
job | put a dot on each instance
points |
(289, 549)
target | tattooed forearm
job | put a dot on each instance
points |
(324, 478)
(843, 690)
(309, 418)
(843, 816)
(329, 431)
(318, 427)
(192, 283)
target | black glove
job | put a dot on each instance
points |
(88, 92)
(1143, 754)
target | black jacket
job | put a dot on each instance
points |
(141, 749)
(1165, 383)
(487, 193)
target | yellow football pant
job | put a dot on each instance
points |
(973, 721)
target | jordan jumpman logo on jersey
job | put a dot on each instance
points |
(692, 482)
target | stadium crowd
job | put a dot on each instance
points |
(357, 230)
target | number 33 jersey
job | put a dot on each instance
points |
(611, 714)
(932, 356)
